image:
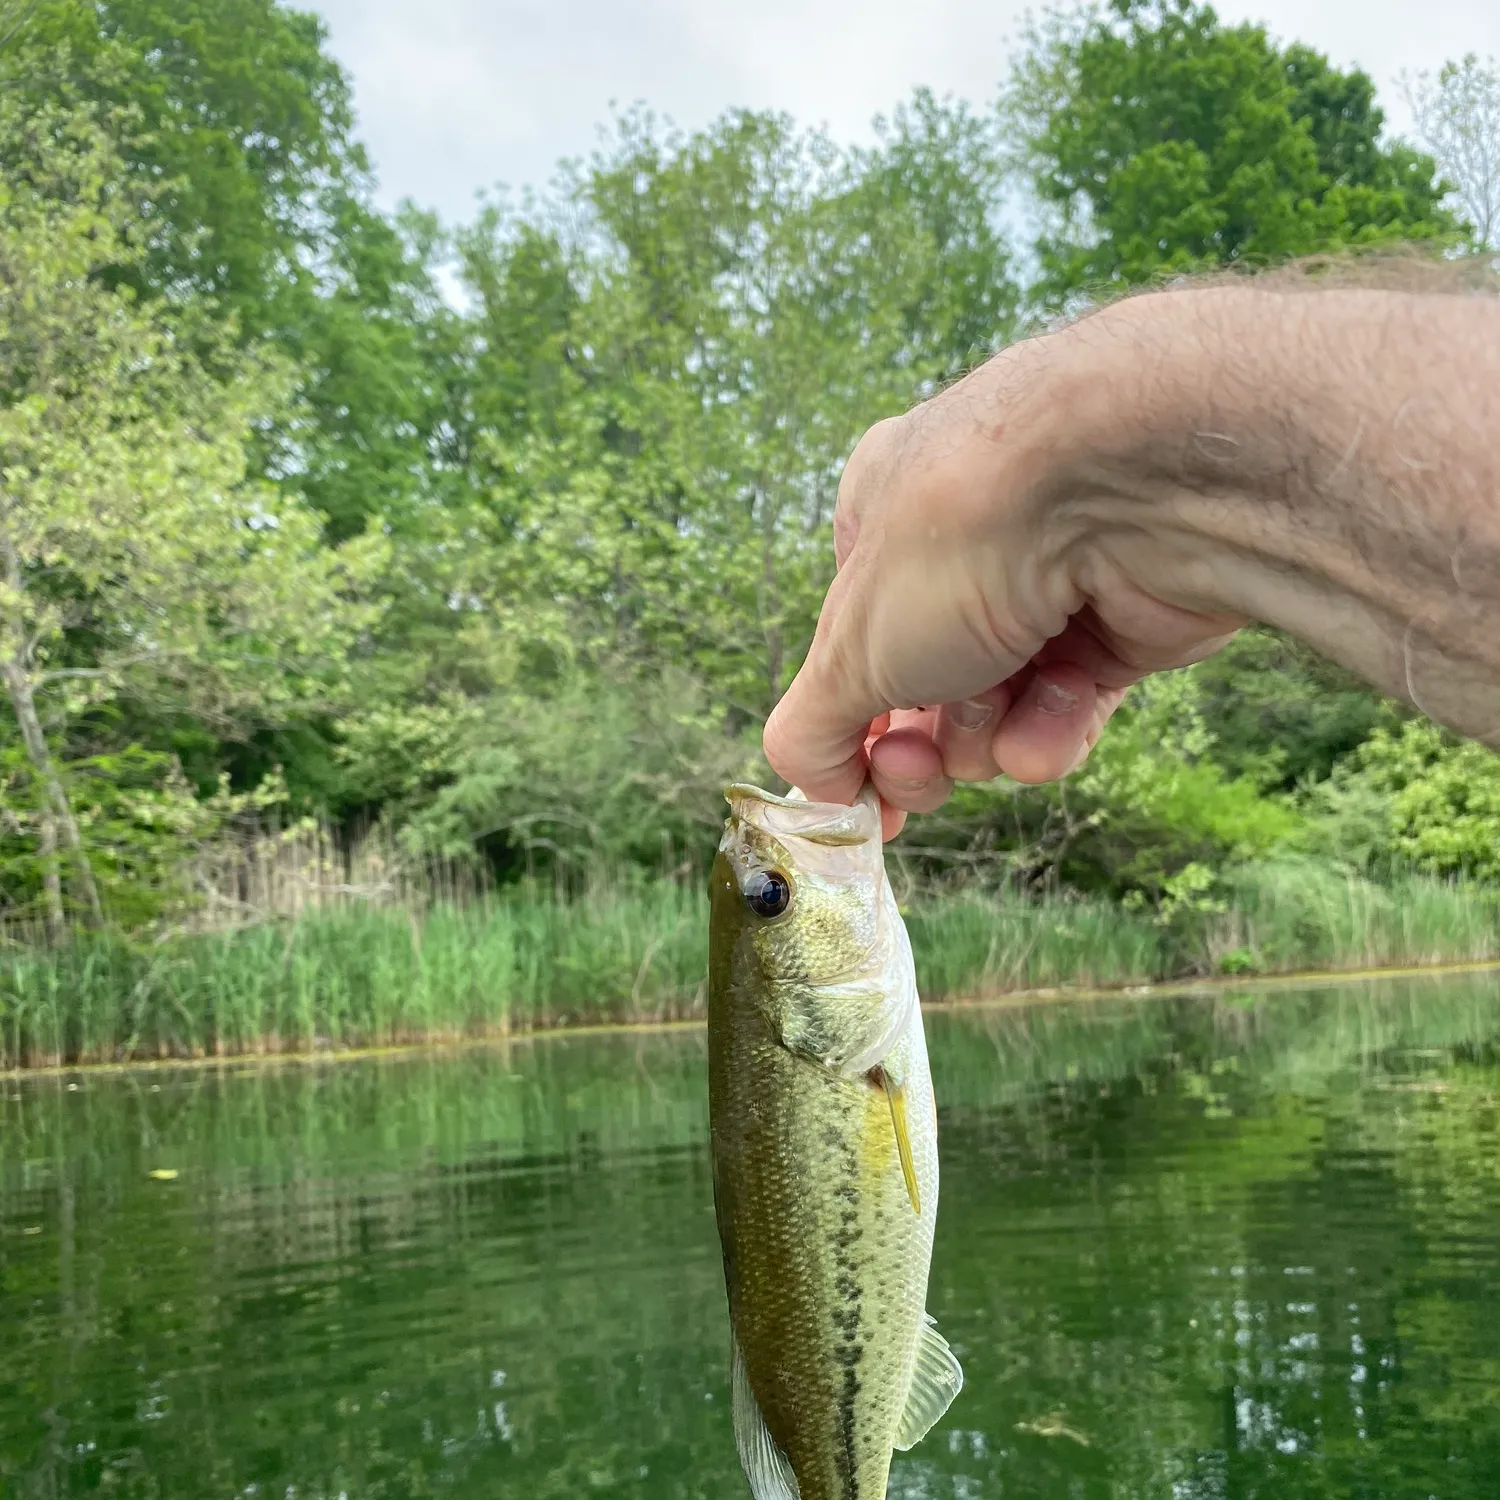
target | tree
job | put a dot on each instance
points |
(671, 359)
(1163, 140)
(1416, 796)
(236, 125)
(240, 134)
(746, 301)
(1282, 714)
(136, 560)
(942, 168)
(1457, 116)
(234, 129)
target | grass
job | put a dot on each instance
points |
(1294, 914)
(376, 975)
(988, 945)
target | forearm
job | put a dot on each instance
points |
(1326, 462)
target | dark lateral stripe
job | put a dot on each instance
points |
(847, 1318)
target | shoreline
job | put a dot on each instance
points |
(1014, 999)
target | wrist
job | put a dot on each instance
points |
(1321, 461)
(1207, 433)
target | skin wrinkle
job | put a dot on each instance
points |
(1408, 543)
(1411, 686)
(1287, 471)
(1465, 600)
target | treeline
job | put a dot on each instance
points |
(287, 529)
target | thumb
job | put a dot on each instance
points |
(815, 737)
(923, 636)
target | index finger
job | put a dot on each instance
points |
(815, 737)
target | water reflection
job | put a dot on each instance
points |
(1245, 1246)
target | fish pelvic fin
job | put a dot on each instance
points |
(936, 1380)
(767, 1468)
(896, 1096)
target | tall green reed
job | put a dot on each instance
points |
(633, 949)
(1303, 914)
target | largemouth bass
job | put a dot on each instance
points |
(824, 1151)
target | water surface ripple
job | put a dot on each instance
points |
(1230, 1246)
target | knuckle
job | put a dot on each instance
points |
(779, 742)
(870, 459)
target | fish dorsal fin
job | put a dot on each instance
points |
(937, 1379)
(766, 1467)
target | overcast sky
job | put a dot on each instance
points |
(458, 95)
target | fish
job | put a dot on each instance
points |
(823, 1129)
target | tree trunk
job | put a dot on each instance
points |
(22, 699)
(770, 601)
(51, 880)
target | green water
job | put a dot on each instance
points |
(1188, 1248)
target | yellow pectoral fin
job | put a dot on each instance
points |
(897, 1097)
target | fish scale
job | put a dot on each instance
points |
(813, 1029)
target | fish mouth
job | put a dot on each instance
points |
(833, 824)
(826, 842)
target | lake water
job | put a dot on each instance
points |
(1246, 1245)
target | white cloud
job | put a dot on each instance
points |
(456, 95)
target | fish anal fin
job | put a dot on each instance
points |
(766, 1467)
(936, 1380)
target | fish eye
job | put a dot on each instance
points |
(768, 893)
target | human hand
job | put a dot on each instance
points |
(974, 628)
(1103, 503)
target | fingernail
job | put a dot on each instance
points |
(972, 713)
(1056, 699)
(906, 785)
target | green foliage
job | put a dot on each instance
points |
(145, 828)
(138, 560)
(520, 574)
(1417, 796)
(128, 525)
(1300, 913)
(1282, 715)
(1457, 118)
(235, 127)
(1166, 140)
(660, 402)
(973, 944)
(744, 302)
(1160, 800)
(241, 121)
(1238, 961)
(642, 781)
(372, 442)
(1154, 803)
(365, 977)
